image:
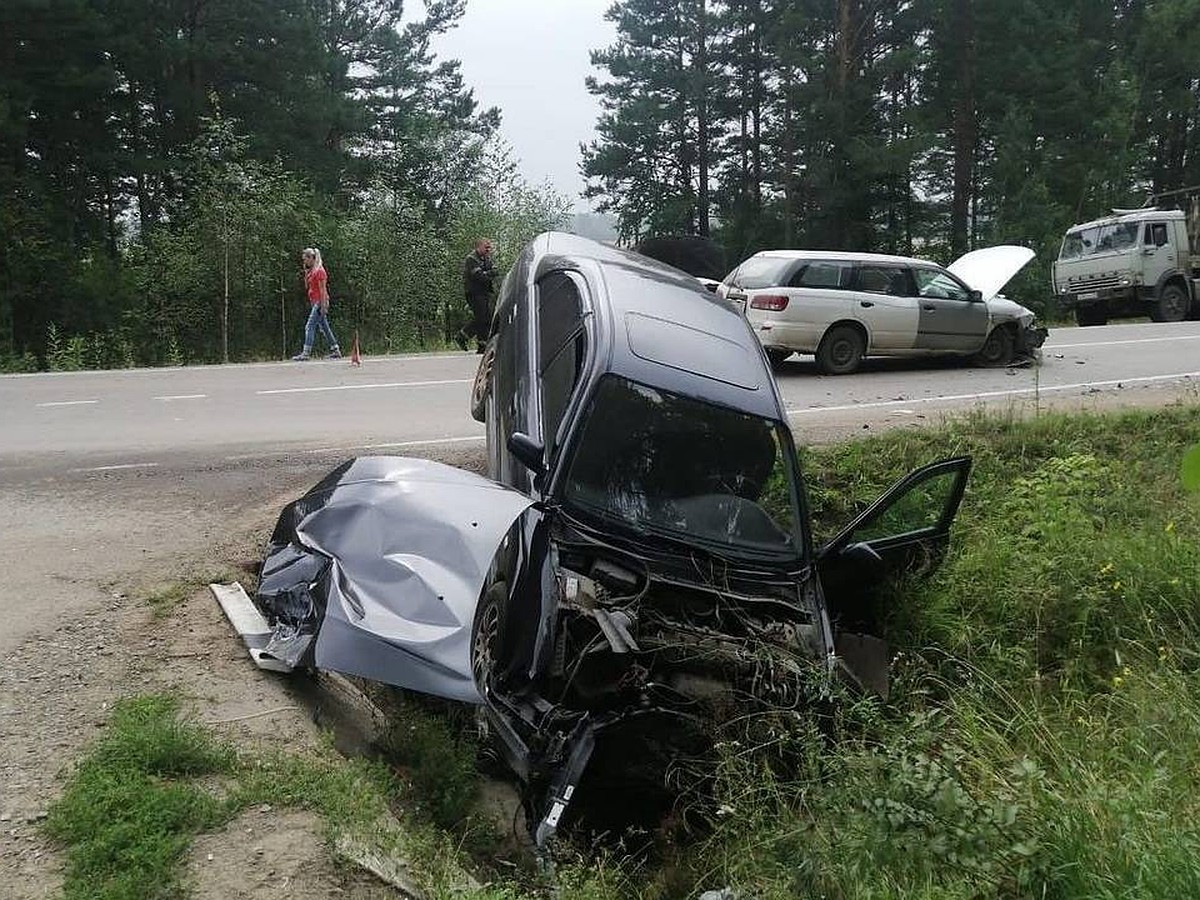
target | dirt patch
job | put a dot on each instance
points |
(266, 854)
(84, 554)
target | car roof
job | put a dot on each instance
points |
(844, 256)
(662, 328)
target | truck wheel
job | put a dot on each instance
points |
(841, 350)
(775, 357)
(1091, 315)
(997, 349)
(1171, 305)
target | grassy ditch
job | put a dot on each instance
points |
(1043, 737)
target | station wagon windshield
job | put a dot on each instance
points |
(657, 463)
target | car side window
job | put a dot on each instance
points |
(940, 285)
(822, 274)
(562, 342)
(884, 279)
(1156, 234)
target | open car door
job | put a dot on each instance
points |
(902, 535)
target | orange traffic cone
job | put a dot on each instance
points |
(355, 356)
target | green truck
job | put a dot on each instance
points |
(1135, 262)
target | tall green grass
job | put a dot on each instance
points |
(1043, 738)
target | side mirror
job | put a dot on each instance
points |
(528, 451)
(976, 296)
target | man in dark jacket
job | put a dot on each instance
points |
(478, 275)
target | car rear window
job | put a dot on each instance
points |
(822, 273)
(762, 272)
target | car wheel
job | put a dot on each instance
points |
(1091, 315)
(776, 357)
(485, 637)
(1171, 306)
(841, 350)
(997, 349)
(483, 383)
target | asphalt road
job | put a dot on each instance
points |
(114, 482)
(143, 419)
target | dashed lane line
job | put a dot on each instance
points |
(119, 467)
(363, 387)
(990, 395)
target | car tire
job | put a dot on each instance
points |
(841, 350)
(776, 357)
(483, 383)
(998, 348)
(1171, 305)
(486, 631)
(1090, 315)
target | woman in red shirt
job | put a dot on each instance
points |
(318, 297)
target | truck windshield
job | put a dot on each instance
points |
(651, 462)
(1099, 239)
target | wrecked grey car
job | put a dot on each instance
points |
(639, 570)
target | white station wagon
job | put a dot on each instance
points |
(841, 307)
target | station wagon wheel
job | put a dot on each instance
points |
(997, 349)
(483, 381)
(841, 350)
(1171, 306)
(486, 637)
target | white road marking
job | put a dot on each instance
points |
(401, 445)
(432, 442)
(1156, 340)
(216, 367)
(183, 397)
(118, 468)
(365, 387)
(987, 395)
(68, 403)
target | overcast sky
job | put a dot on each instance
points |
(529, 58)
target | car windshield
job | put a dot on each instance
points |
(761, 272)
(1099, 239)
(655, 462)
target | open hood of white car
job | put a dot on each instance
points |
(990, 269)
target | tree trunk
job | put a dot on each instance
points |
(756, 106)
(700, 64)
(225, 301)
(789, 164)
(965, 125)
(283, 315)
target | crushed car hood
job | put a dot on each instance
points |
(381, 567)
(1001, 307)
(990, 269)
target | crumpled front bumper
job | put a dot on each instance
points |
(1030, 340)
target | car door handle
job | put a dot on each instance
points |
(867, 303)
(928, 307)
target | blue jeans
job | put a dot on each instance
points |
(317, 320)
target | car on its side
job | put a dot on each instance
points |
(842, 307)
(637, 578)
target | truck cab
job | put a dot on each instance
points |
(1132, 263)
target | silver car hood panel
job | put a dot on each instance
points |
(409, 543)
(990, 269)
